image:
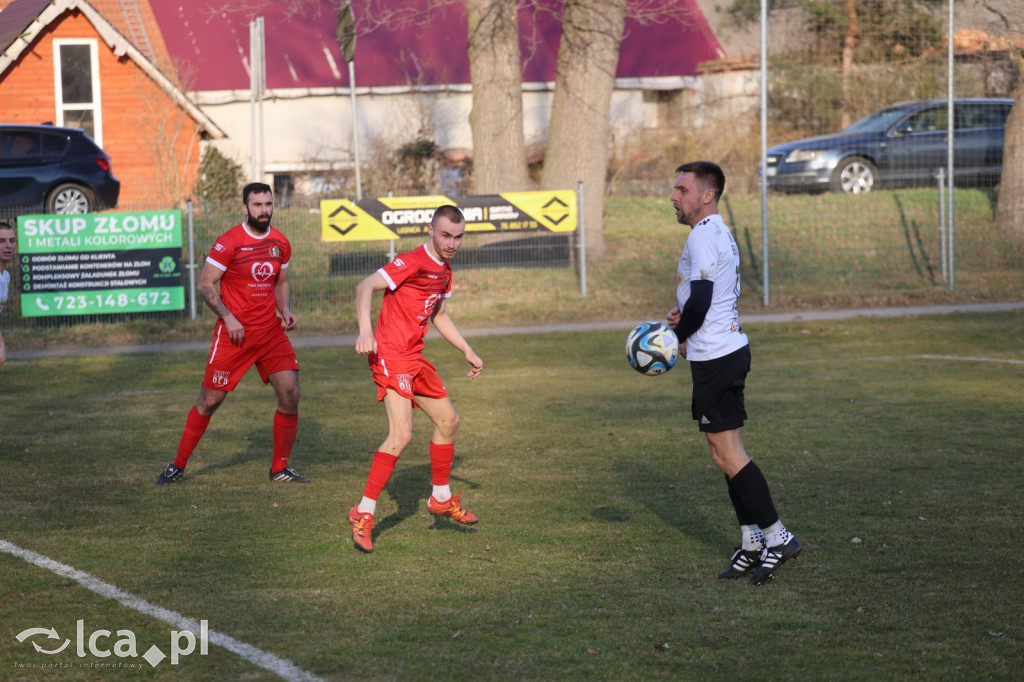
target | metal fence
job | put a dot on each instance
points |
(824, 247)
(826, 250)
(324, 275)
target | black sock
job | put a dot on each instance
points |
(742, 515)
(751, 487)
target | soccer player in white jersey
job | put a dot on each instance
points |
(707, 324)
(416, 285)
(8, 240)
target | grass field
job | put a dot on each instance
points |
(894, 449)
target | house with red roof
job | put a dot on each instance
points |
(102, 65)
(411, 76)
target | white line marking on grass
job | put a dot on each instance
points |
(254, 655)
(1006, 361)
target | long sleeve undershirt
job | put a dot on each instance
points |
(695, 309)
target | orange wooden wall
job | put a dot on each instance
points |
(153, 143)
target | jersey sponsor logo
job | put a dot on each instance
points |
(399, 263)
(261, 272)
(218, 247)
(220, 377)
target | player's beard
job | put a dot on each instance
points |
(259, 224)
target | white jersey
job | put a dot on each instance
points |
(5, 283)
(711, 254)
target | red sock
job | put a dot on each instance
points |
(380, 472)
(195, 427)
(441, 458)
(285, 428)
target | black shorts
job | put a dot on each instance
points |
(718, 391)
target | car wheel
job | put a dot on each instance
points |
(854, 175)
(70, 198)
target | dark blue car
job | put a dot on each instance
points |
(903, 144)
(53, 170)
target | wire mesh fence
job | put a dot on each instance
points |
(852, 217)
(323, 275)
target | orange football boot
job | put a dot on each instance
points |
(452, 509)
(362, 529)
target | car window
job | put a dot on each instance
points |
(878, 122)
(19, 143)
(927, 121)
(54, 144)
(82, 145)
(981, 116)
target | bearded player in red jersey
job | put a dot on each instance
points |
(417, 284)
(249, 265)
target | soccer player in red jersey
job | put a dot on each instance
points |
(416, 286)
(248, 264)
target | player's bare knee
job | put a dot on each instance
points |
(397, 444)
(208, 401)
(399, 437)
(448, 425)
(288, 400)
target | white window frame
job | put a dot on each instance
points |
(94, 68)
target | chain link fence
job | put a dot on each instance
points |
(829, 64)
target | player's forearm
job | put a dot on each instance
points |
(364, 305)
(283, 296)
(213, 301)
(449, 332)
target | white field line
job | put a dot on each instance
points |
(963, 358)
(267, 661)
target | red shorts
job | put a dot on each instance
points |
(269, 349)
(409, 378)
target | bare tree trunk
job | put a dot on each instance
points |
(580, 131)
(499, 147)
(1010, 207)
(849, 44)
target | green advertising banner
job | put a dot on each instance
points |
(96, 264)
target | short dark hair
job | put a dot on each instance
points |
(707, 173)
(4, 225)
(449, 212)
(255, 188)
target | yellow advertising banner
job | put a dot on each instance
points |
(397, 217)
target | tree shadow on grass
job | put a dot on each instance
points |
(673, 504)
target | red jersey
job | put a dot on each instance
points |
(251, 266)
(417, 282)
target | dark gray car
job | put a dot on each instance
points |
(54, 170)
(903, 144)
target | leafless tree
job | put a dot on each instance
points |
(580, 130)
(499, 148)
(1010, 205)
